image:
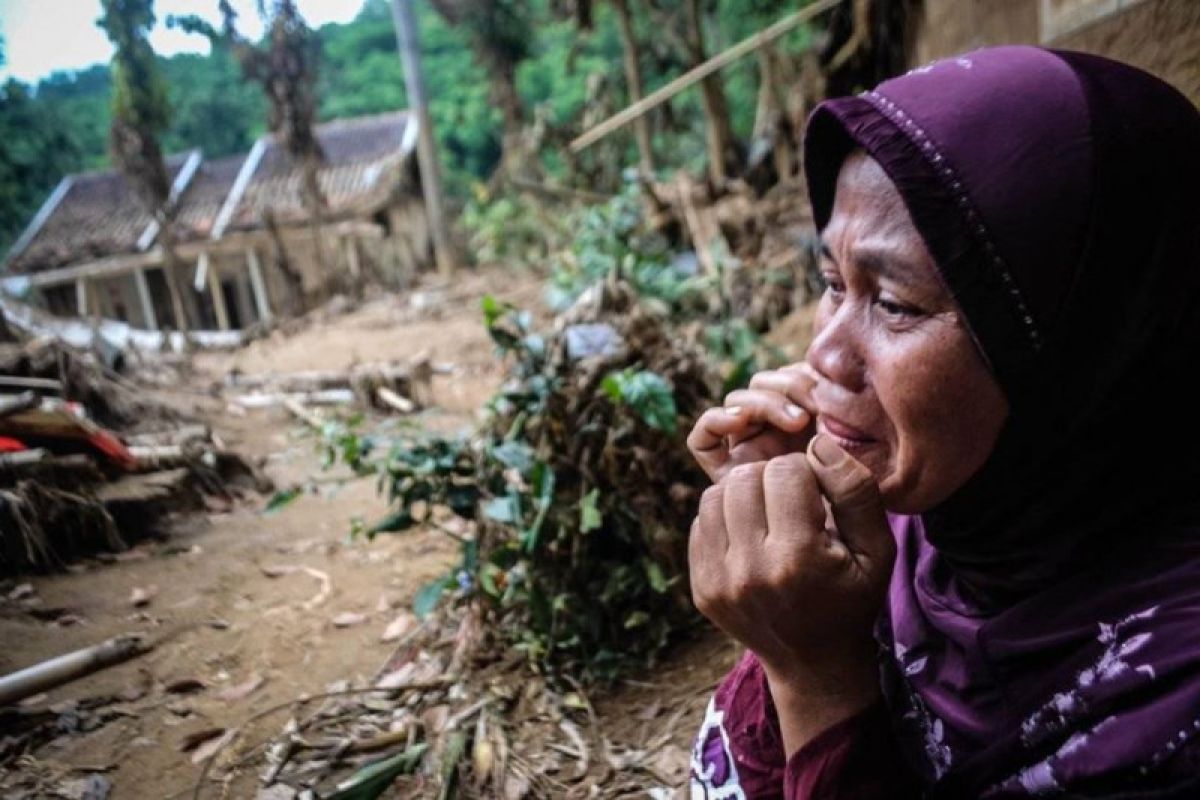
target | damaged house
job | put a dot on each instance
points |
(243, 232)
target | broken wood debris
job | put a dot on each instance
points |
(89, 463)
(392, 387)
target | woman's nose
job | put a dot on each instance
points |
(836, 349)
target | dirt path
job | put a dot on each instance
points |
(232, 626)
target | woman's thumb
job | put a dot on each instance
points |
(853, 498)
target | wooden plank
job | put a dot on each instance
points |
(258, 286)
(218, 298)
(352, 261)
(225, 215)
(81, 297)
(113, 266)
(699, 73)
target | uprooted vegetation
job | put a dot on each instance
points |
(570, 501)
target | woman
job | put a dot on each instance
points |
(1005, 598)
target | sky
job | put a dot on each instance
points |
(41, 36)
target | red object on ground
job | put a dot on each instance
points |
(10, 445)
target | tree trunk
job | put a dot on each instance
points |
(171, 273)
(633, 78)
(503, 91)
(712, 94)
(295, 283)
(315, 200)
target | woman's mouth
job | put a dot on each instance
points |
(847, 436)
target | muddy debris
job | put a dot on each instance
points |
(91, 462)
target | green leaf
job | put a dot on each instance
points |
(636, 618)
(456, 746)
(648, 394)
(487, 579)
(427, 597)
(654, 573)
(493, 310)
(462, 499)
(399, 520)
(612, 386)
(590, 517)
(282, 498)
(543, 486)
(371, 781)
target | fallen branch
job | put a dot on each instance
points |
(236, 731)
(324, 397)
(297, 410)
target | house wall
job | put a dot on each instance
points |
(1159, 36)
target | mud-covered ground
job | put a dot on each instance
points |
(237, 594)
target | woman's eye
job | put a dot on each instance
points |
(895, 309)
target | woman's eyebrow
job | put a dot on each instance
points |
(882, 263)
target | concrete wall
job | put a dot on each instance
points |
(1160, 36)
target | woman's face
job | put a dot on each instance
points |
(901, 385)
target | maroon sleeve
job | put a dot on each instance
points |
(739, 753)
(856, 758)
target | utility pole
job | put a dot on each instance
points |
(431, 176)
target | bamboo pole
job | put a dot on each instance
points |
(262, 302)
(699, 73)
(218, 298)
(66, 668)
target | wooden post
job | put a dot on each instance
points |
(350, 242)
(261, 302)
(431, 176)
(633, 80)
(149, 318)
(218, 297)
(81, 297)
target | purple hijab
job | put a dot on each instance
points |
(1044, 622)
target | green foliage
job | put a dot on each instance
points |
(140, 111)
(647, 394)
(580, 489)
(139, 92)
(215, 109)
(35, 151)
(373, 780)
(510, 229)
(608, 240)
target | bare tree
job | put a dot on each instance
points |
(140, 114)
(285, 66)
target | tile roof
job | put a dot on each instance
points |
(205, 195)
(359, 152)
(98, 214)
